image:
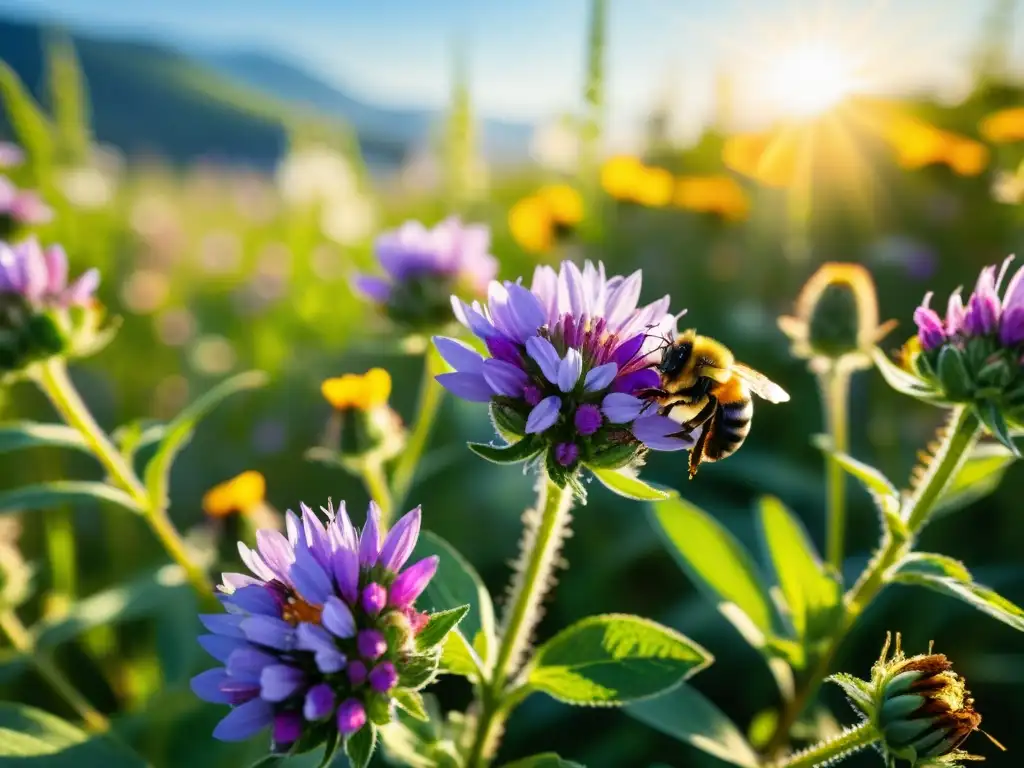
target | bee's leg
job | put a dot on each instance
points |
(697, 452)
(701, 417)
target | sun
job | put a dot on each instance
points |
(810, 79)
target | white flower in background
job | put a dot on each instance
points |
(94, 184)
(316, 174)
(348, 221)
(1008, 187)
(556, 145)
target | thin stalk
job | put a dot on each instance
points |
(835, 396)
(961, 435)
(60, 551)
(429, 403)
(58, 387)
(21, 639)
(377, 487)
(541, 543)
(848, 742)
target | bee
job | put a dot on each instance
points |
(704, 387)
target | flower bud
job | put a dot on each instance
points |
(836, 318)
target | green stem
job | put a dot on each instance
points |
(21, 639)
(832, 750)
(377, 486)
(60, 546)
(961, 434)
(545, 531)
(57, 385)
(835, 395)
(430, 397)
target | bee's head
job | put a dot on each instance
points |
(675, 357)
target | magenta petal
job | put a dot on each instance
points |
(400, 541)
(412, 581)
(369, 537)
(56, 269)
(81, 291)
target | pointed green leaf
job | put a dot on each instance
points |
(360, 745)
(459, 658)
(31, 737)
(411, 702)
(811, 594)
(58, 492)
(953, 373)
(613, 659)
(718, 565)
(31, 127)
(545, 760)
(16, 435)
(438, 626)
(931, 564)
(331, 747)
(873, 480)
(179, 430)
(515, 453)
(903, 381)
(455, 584)
(992, 417)
(685, 714)
(982, 598)
(978, 477)
(420, 670)
(629, 485)
(68, 101)
(857, 690)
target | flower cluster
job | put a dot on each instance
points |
(41, 315)
(973, 354)
(323, 634)
(919, 705)
(424, 267)
(19, 208)
(570, 362)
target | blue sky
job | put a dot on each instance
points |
(527, 56)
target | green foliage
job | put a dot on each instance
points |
(685, 714)
(628, 485)
(30, 737)
(614, 659)
(978, 477)
(360, 745)
(984, 599)
(179, 430)
(517, 452)
(412, 702)
(545, 760)
(31, 126)
(16, 435)
(57, 492)
(68, 102)
(439, 625)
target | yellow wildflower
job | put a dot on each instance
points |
(564, 204)
(1004, 126)
(361, 392)
(531, 225)
(243, 494)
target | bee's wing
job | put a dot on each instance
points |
(760, 384)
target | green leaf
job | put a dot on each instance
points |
(32, 737)
(953, 373)
(544, 760)
(901, 380)
(57, 492)
(438, 626)
(628, 485)
(145, 596)
(858, 691)
(979, 476)
(179, 430)
(811, 594)
(931, 564)
(16, 435)
(459, 658)
(685, 714)
(873, 480)
(718, 565)
(515, 453)
(411, 702)
(982, 598)
(455, 584)
(613, 659)
(360, 745)
(31, 127)
(331, 748)
(68, 101)
(419, 671)
(991, 416)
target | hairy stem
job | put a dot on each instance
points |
(430, 398)
(546, 529)
(833, 750)
(21, 639)
(963, 432)
(57, 385)
(835, 395)
(377, 487)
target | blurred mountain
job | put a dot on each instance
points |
(291, 82)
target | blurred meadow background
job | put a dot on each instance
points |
(227, 167)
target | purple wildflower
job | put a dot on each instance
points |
(571, 361)
(314, 607)
(20, 208)
(41, 277)
(424, 266)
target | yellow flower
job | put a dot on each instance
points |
(768, 158)
(242, 494)
(720, 195)
(654, 188)
(564, 204)
(363, 393)
(918, 144)
(1004, 126)
(531, 225)
(620, 177)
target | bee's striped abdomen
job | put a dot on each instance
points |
(729, 429)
